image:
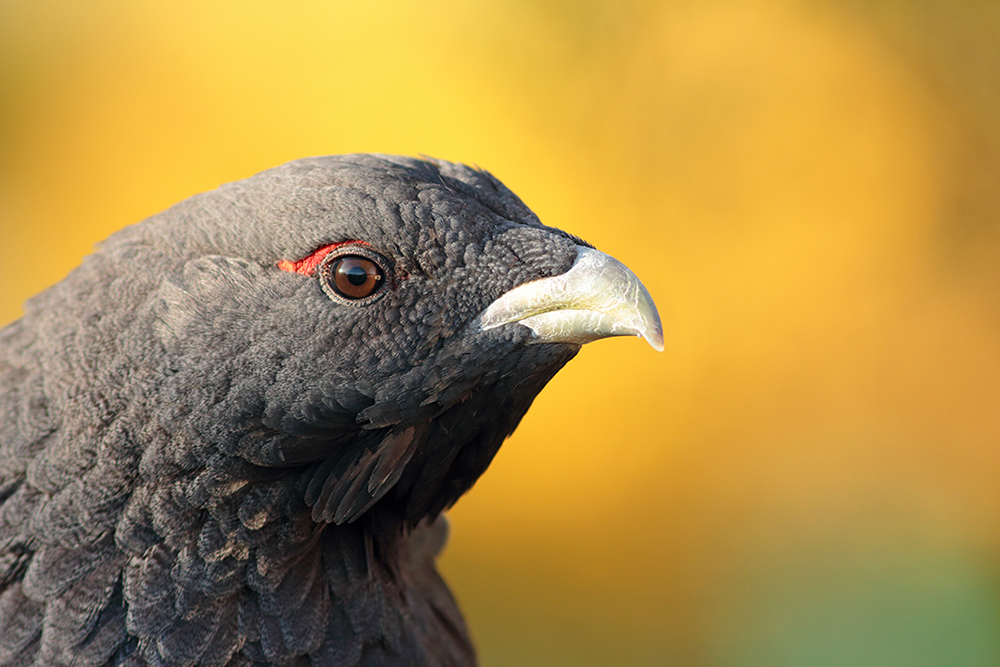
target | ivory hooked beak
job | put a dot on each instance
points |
(597, 298)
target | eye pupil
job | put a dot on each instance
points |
(356, 275)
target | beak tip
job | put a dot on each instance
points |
(653, 334)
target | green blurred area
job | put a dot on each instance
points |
(810, 191)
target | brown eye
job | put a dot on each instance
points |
(354, 276)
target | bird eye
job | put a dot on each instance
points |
(354, 276)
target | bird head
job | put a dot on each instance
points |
(375, 326)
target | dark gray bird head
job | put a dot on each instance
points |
(289, 372)
(361, 311)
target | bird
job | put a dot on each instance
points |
(229, 436)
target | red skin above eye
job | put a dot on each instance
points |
(307, 265)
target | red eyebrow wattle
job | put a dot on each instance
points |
(307, 265)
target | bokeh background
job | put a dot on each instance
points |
(810, 473)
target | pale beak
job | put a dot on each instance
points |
(597, 298)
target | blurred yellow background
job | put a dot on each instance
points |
(810, 474)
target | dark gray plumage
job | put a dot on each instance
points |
(212, 455)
